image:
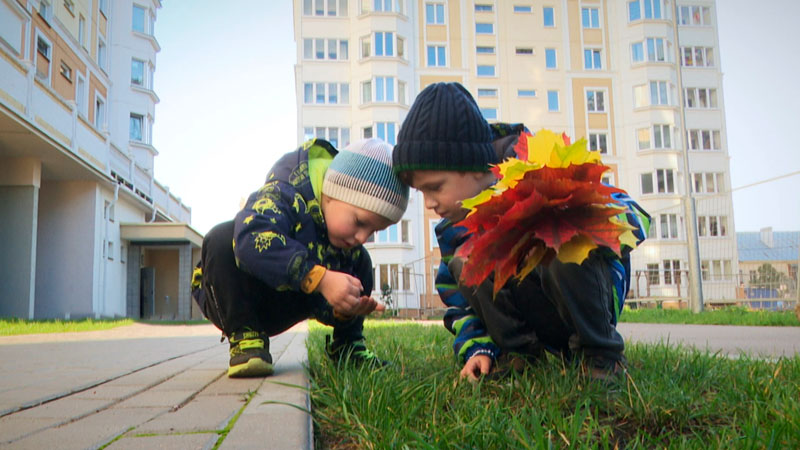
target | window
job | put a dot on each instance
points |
(526, 93)
(653, 277)
(336, 136)
(389, 235)
(552, 101)
(137, 122)
(595, 101)
(406, 279)
(388, 275)
(70, 6)
(484, 50)
(700, 98)
(668, 225)
(548, 16)
(404, 232)
(101, 53)
(484, 8)
(637, 52)
(590, 17)
(712, 226)
(672, 271)
(658, 93)
(522, 9)
(657, 49)
(137, 72)
(708, 183)
(384, 44)
(386, 131)
(484, 28)
(99, 112)
(598, 142)
(487, 92)
(326, 93)
(45, 10)
(434, 13)
(366, 132)
(665, 182)
(401, 92)
(43, 55)
(550, 58)
(591, 59)
(65, 71)
(436, 56)
(138, 18)
(82, 30)
(704, 139)
(486, 71)
(719, 269)
(697, 56)
(383, 90)
(524, 51)
(80, 94)
(694, 15)
(489, 113)
(331, 49)
(434, 242)
(334, 8)
(385, 6)
(657, 137)
(653, 9)
(103, 6)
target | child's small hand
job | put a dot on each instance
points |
(342, 291)
(476, 366)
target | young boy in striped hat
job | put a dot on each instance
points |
(295, 252)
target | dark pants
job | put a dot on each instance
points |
(235, 301)
(564, 307)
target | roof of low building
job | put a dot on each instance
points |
(785, 246)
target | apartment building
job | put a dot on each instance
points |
(87, 230)
(625, 75)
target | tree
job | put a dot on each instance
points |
(386, 298)
(768, 277)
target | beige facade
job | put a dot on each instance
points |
(74, 122)
(622, 74)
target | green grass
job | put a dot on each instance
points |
(671, 398)
(9, 327)
(726, 316)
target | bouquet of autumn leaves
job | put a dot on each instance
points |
(548, 203)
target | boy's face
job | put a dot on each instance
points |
(444, 190)
(348, 225)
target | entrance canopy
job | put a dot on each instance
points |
(161, 233)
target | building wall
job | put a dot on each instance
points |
(66, 249)
(166, 265)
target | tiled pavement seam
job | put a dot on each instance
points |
(184, 402)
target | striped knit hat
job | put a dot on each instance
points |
(361, 175)
(444, 130)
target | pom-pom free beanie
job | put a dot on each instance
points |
(444, 130)
(361, 175)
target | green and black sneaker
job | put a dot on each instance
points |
(249, 355)
(353, 352)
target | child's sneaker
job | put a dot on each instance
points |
(604, 370)
(249, 355)
(352, 352)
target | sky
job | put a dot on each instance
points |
(225, 78)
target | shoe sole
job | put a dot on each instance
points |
(254, 367)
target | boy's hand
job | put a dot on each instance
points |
(476, 366)
(343, 292)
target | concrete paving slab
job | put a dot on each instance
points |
(190, 379)
(228, 386)
(170, 442)
(13, 428)
(201, 414)
(169, 399)
(64, 409)
(90, 432)
(272, 418)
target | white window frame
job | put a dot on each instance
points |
(669, 226)
(82, 31)
(386, 131)
(593, 16)
(557, 98)
(141, 118)
(434, 242)
(687, 17)
(544, 16)
(439, 14)
(484, 33)
(596, 59)
(310, 49)
(712, 226)
(396, 7)
(555, 58)
(523, 9)
(440, 52)
(102, 54)
(486, 47)
(490, 111)
(692, 96)
(696, 138)
(487, 92)
(100, 111)
(672, 271)
(484, 8)
(526, 93)
(692, 52)
(81, 94)
(708, 182)
(598, 141)
(662, 182)
(45, 10)
(492, 75)
(144, 73)
(48, 57)
(595, 100)
(642, 5)
(660, 91)
(145, 14)
(652, 134)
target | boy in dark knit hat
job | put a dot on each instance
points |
(444, 149)
(295, 251)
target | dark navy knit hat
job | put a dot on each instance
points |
(444, 130)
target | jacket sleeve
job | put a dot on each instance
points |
(470, 333)
(363, 269)
(263, 238)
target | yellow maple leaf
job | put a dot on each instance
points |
(576, 250)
